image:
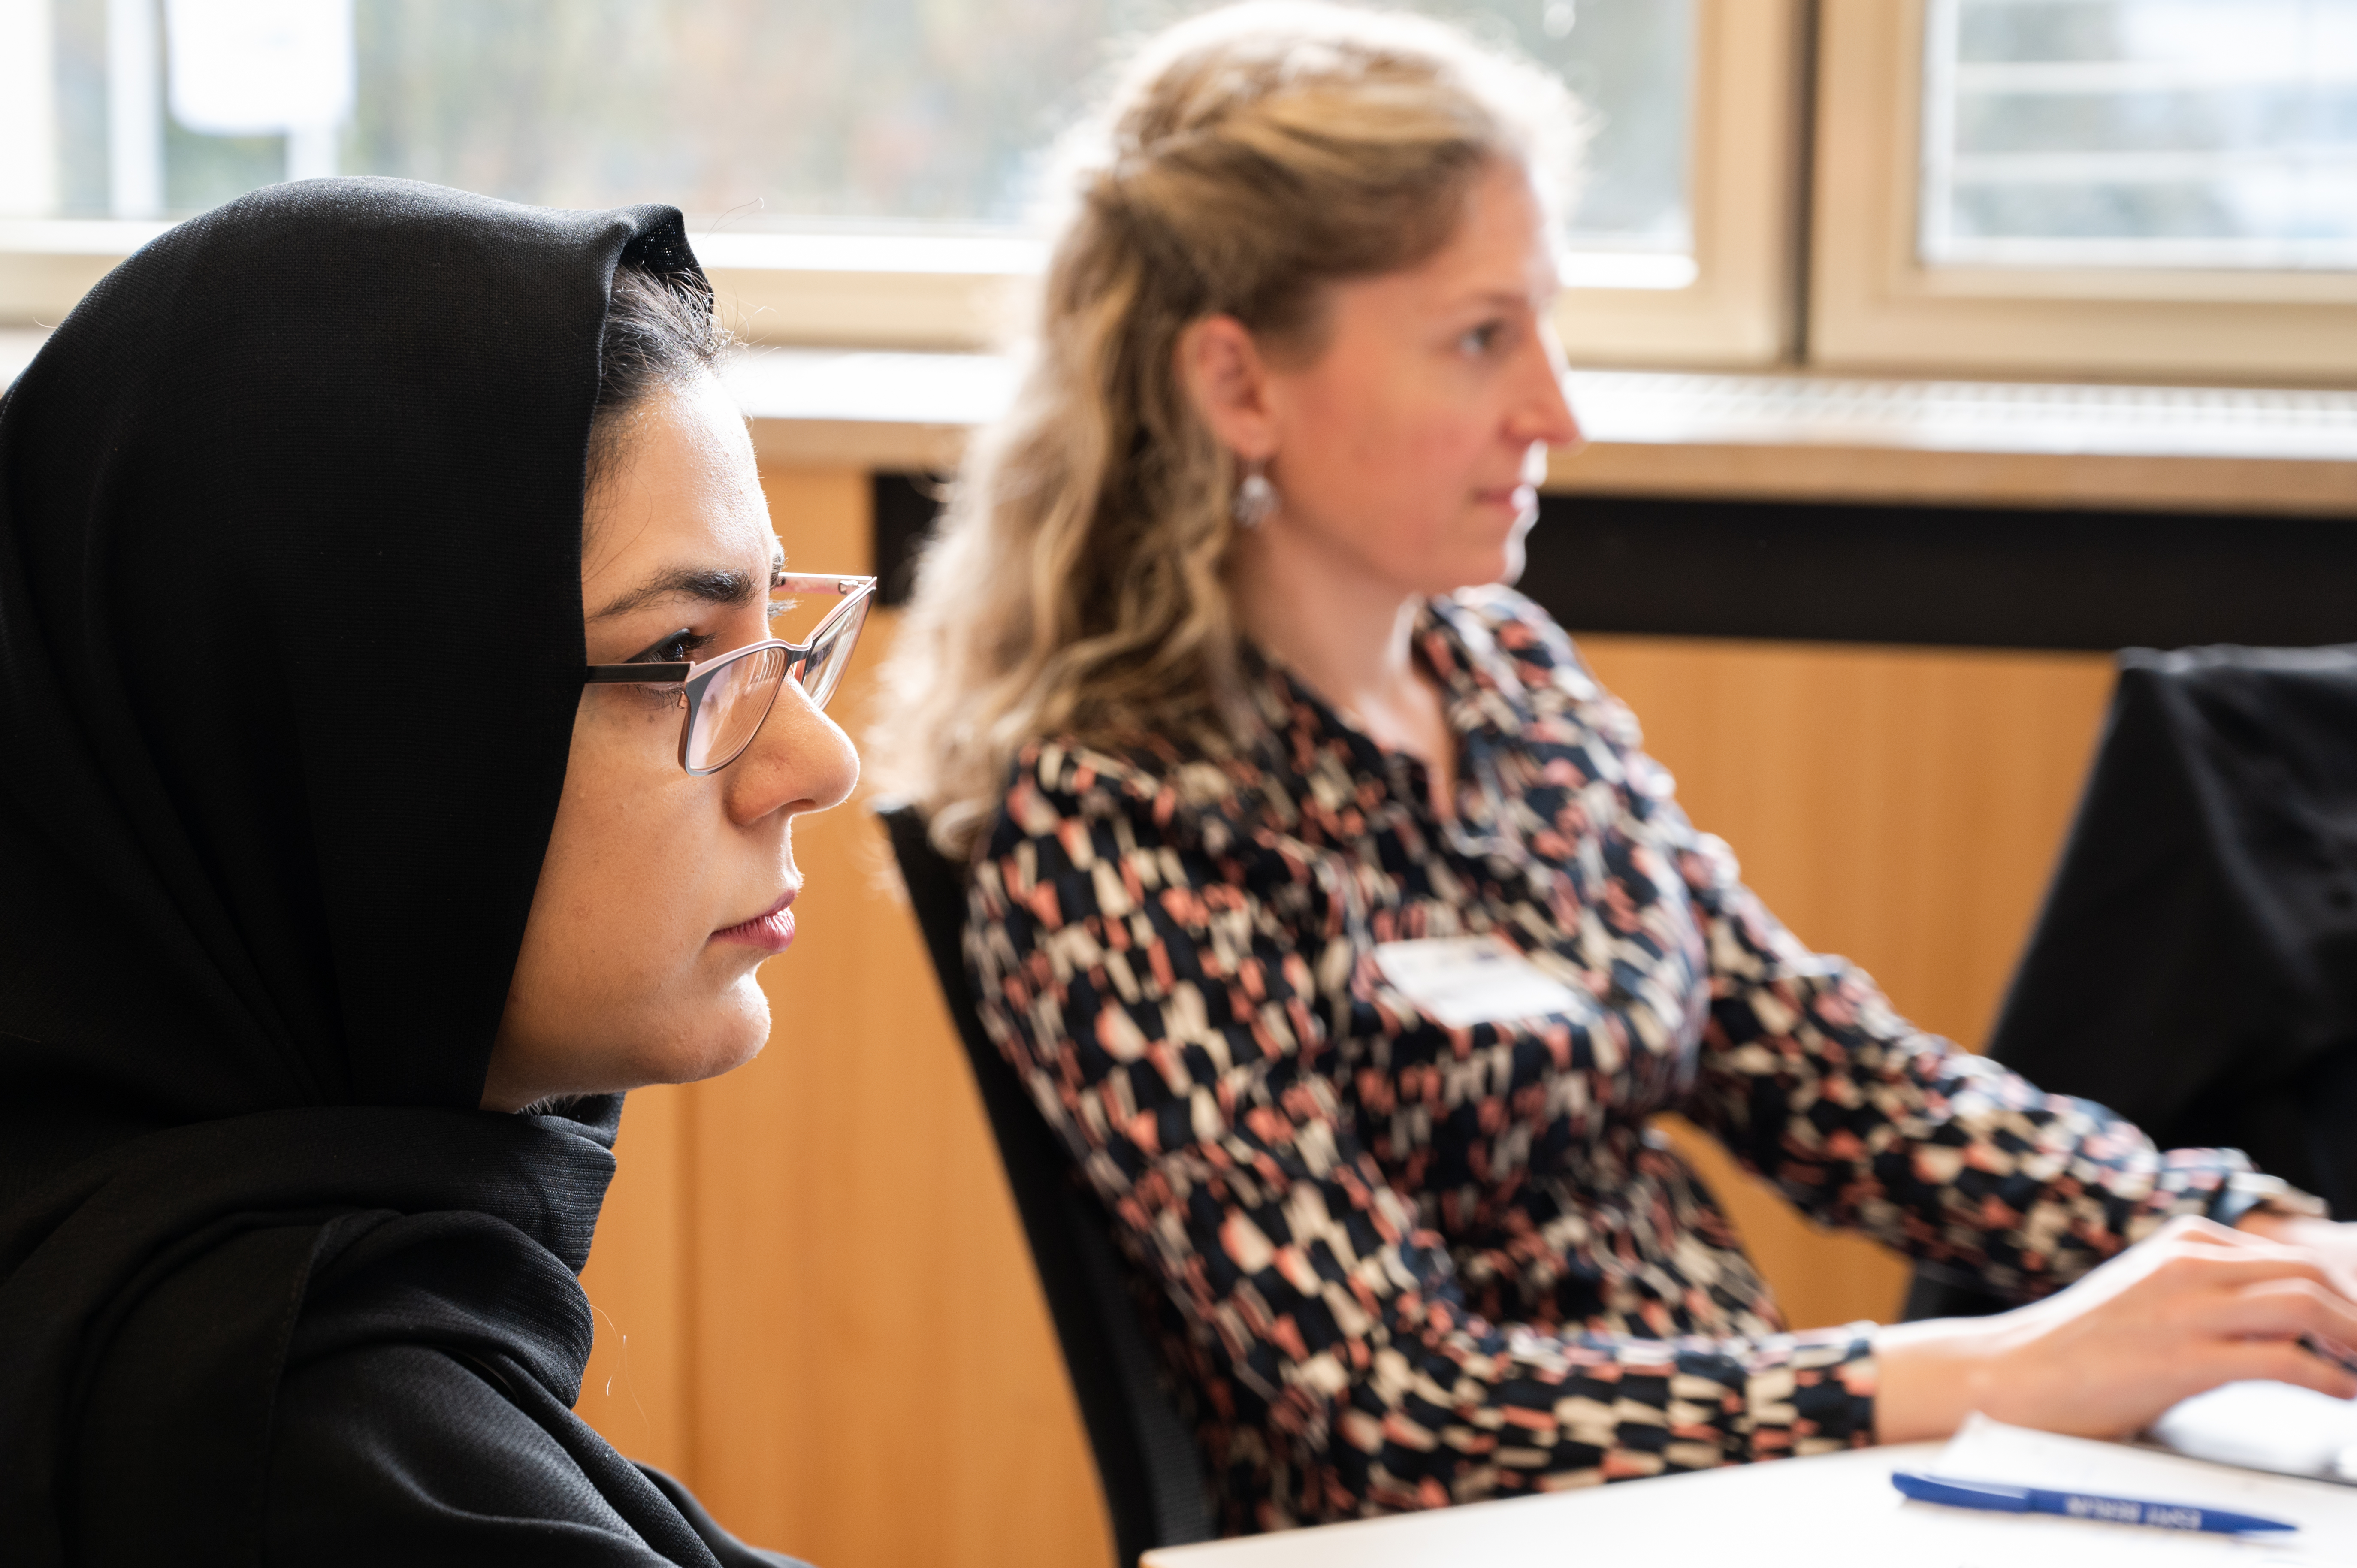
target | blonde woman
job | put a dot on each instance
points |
(1202, 679)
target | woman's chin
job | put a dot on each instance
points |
(1510, 564)
(709, 1057)
(726, 1030)
(739, 1031)
(1503, 564)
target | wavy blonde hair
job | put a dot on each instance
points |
(1246, 159)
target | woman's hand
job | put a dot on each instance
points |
(2332, 1245)
(2196, 1305)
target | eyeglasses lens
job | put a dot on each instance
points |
(822, 669)
(734, 704)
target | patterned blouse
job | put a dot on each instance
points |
(1413, 1265)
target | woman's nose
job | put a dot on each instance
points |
(801, 761)
(1547, 414)
(1555, 424)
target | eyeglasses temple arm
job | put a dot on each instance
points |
(636, 674)
(817, 582)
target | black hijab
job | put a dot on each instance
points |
(290, 648)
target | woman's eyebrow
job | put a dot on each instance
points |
(1492, 299)
(714, 585)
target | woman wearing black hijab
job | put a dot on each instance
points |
(342, 893)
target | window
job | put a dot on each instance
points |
(2155, 186)
(2114, 188)
(857, 172)
(894, 110)
(2140, 134)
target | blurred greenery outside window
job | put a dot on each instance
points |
(871, 172)
(885, 117)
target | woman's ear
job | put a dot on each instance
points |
(1220, 369)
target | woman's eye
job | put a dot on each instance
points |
(1483, 338)
(679, 648)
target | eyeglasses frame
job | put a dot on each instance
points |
(696, 679)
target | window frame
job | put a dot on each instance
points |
(47, 264)
(1875, 306)
(1744, 191)
(1744, 155)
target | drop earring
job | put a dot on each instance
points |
(1255, 497)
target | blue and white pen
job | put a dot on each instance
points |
(2001, 1498)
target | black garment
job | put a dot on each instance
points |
(2195, 967)
(290, 648)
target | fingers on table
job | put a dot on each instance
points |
(2285, 1308)
(2279, 1361)
(2255, 1308)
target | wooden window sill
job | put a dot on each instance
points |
(1769, 437)
(1783, 437)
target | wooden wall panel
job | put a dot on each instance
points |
(832, 1330)
(639, 1279)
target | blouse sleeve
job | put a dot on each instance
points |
(1811, 1079)
(1157, 989)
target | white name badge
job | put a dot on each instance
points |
(1458, 982)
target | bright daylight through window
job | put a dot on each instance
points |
(2184, 133)
(753, 115)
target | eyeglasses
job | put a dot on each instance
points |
(727, 698)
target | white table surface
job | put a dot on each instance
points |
(1837, 1510)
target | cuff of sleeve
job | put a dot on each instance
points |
(2243, 1192)
(1832, 1391)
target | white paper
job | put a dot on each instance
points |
(1459, 981)
(2266, 1427)
(1990, 1450)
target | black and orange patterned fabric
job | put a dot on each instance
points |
(1408, 1265)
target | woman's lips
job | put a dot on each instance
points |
(773, 929)
(1516, 498)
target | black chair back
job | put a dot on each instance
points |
(1156, 1488)
(2195, 964)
